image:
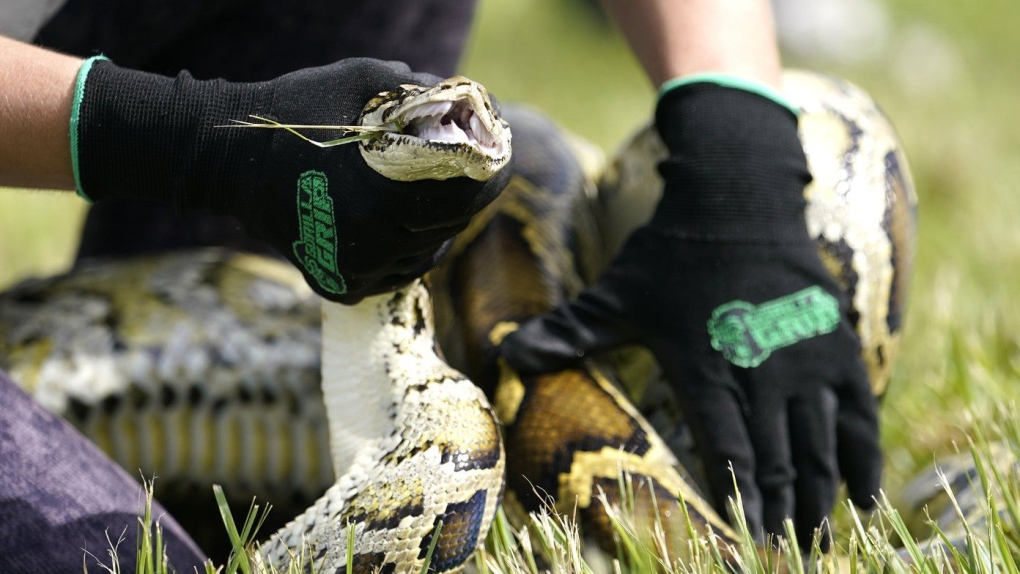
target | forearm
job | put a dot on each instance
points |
(36, 91)
(673, 38)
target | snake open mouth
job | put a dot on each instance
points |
(447, 130)
(454, 122)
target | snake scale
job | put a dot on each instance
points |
(204, 366)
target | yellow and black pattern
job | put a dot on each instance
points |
(195, 367)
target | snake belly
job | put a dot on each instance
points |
(205, 365)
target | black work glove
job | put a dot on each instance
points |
(728, 291)
(351, 231)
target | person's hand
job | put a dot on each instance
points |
(351, 231)
(727, 290)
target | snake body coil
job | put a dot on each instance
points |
(202, 365)
(415, 445)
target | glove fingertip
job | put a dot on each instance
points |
(532, 350)
(563, 336)
(864, 491)
(863, 473)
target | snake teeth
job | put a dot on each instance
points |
(450, 122)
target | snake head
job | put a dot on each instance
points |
(449, 130)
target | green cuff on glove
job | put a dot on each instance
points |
(731, 81)
(79, 95)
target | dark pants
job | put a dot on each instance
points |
(60, 496)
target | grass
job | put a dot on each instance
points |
(948, 75)
(150, 556)
(881, 542)
(972, 534)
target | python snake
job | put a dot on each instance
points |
(202, 366)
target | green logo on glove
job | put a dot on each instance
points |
(317, 247)
(747, 334)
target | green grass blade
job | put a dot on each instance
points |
(239, 557)
(365, 132)
(350, 547)
(432, 547)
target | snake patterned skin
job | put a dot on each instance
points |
(203, 366)
(415, 445)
